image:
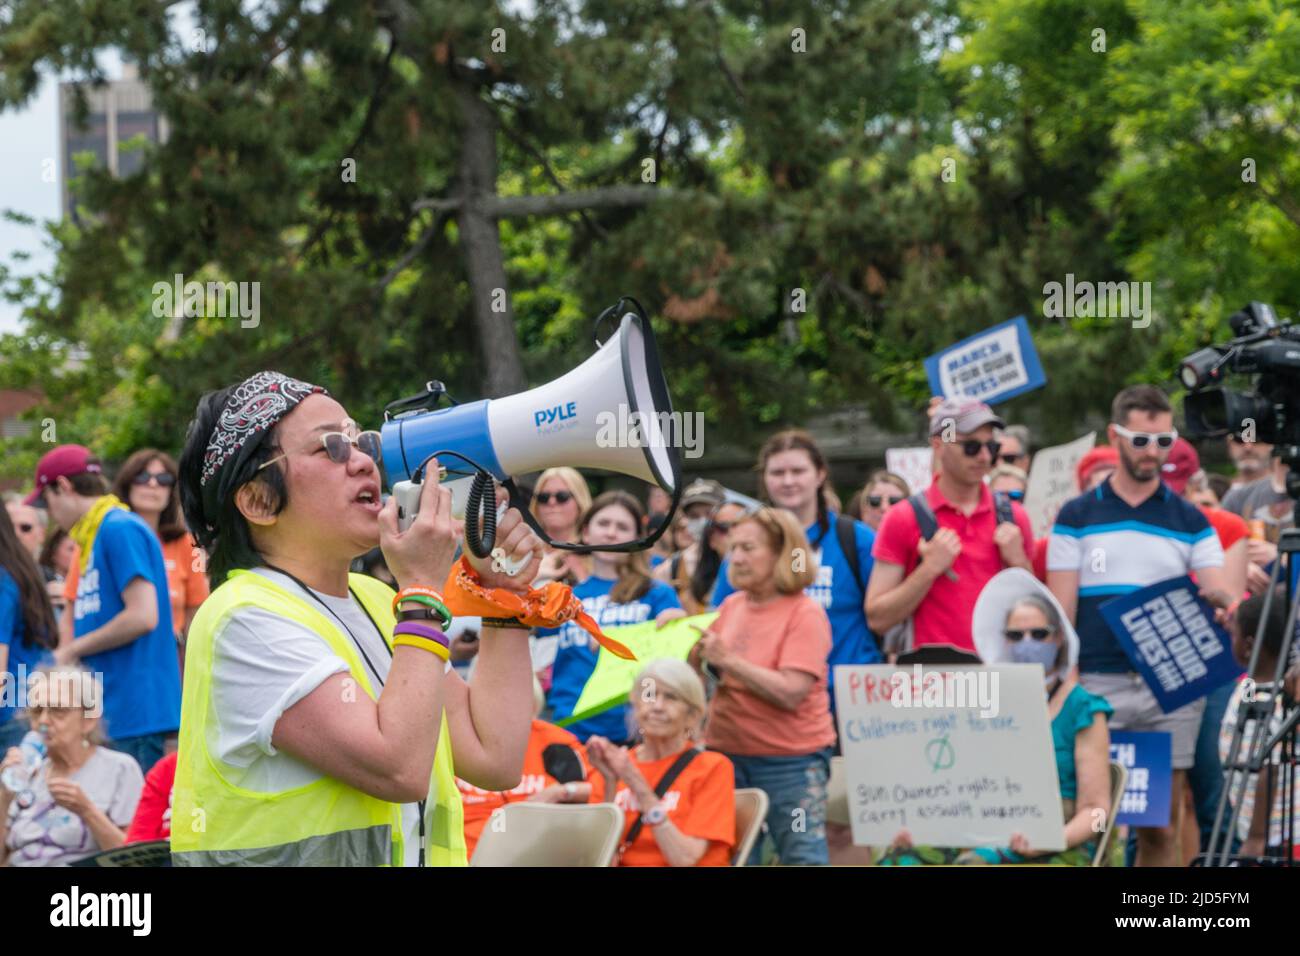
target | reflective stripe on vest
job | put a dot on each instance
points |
(346, 848)
(326, 822)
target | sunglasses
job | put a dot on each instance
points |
(1011, 459)
(723, 526)
(26, 528)
(165, 479)
(338, 445)
(561, 497)
(1163, 440)
(876, 500)
(971, 447)
(1015, 494)
(1037, 633)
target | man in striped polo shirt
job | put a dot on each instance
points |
(1130, 532)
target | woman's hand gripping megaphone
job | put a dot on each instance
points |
(505, 559)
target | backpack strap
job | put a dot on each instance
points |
(927, 524)
(925, 519)
(672, 773)
(845, 531)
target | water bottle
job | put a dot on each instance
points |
(18, 777)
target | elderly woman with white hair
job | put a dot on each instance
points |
(1018, 621)
(680, 800)
(78, 798)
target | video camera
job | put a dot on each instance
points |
(1265, 348)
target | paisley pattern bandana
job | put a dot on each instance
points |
(254, 406)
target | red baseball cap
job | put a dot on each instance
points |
(1182, 463)
(62, 462)
(1103, 456)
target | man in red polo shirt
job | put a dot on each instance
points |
(936, 582)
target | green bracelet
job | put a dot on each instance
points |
(438, 606)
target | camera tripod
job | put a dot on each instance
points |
(1265, 741)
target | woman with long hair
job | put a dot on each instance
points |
(27, 629)
(618, 591)
(146, 483)
(560, 499)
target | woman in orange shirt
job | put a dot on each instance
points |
(538, 782)
(693, 821)
(771, 713)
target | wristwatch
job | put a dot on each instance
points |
(656, 815)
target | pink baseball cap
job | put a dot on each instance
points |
(1182, 463)
(62, 462)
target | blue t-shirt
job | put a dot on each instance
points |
(142, 679)
(835, 590)
(22, 658)
(575, 659)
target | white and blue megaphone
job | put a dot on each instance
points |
(612, 412)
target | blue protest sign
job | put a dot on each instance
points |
(991, 366)
(1149, 759)
(1169, 634)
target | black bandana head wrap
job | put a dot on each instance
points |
(252, 408)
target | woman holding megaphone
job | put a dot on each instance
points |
(316, 729)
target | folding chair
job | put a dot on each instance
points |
(1118, 777)
(550, 834)
(751, 811)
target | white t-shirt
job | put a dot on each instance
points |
(262, 665)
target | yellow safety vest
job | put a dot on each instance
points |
(325, 823)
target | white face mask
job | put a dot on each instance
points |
(696, 527)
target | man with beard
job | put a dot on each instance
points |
(1128, 533)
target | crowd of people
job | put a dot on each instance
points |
(202, 638)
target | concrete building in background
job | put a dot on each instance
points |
(118, 112)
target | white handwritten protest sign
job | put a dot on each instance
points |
(914, 465)
(959, 756)
(1051, 481)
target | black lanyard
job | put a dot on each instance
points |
(316, 597)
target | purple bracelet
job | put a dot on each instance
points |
(421, 629)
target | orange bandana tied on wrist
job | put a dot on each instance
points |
(550, 606)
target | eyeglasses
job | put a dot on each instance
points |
(876, 500)
(971, 447)
(1009, 459)
(165, 479)
(338, 445)
(723, 526)
(1163, 440)
(561, 497)
(1037, 633)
